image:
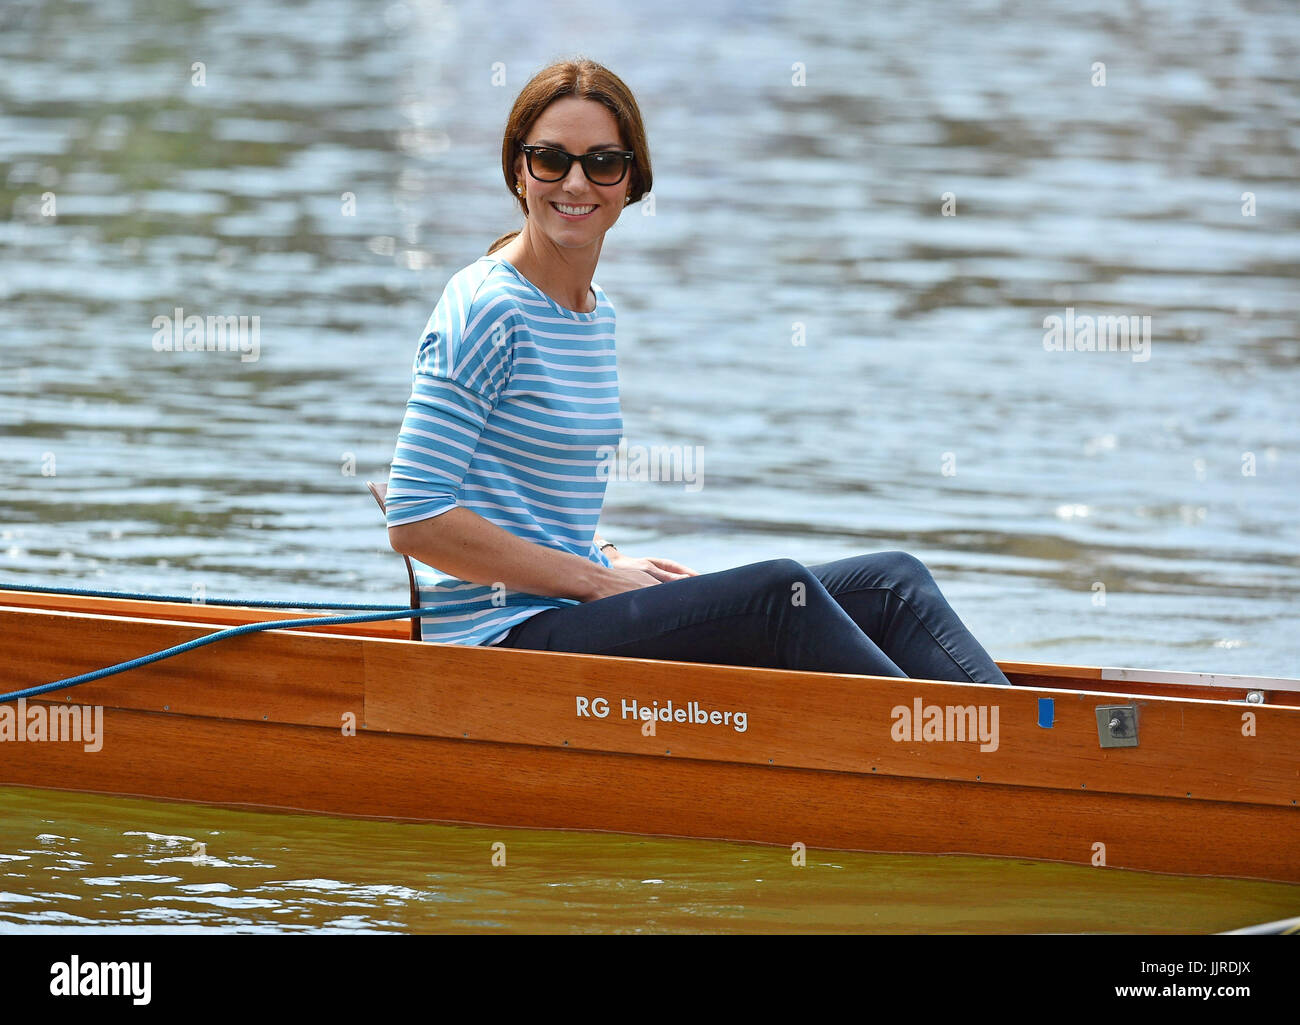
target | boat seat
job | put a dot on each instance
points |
(380, 491)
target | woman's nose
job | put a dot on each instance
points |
(576, 180)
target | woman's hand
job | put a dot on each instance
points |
(628, 574)
(660, 569)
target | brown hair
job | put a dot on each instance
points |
(586, 80)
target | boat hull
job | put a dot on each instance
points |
(373, 726)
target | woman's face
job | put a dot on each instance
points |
(576, 126)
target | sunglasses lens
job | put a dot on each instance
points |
(604, 168)
(549, 164)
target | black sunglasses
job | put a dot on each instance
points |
(603, 167)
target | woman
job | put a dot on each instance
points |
(497, 479)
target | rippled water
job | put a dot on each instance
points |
(921, 412)
(79, 863)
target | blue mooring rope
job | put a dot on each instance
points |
(390, 612)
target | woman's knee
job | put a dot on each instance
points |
(903, 568)
(787, 577)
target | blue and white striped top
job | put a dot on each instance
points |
(514, 401)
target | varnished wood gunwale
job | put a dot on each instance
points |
(1027, 674)
(197, 612)
(1269, 690)
(821, 721)
(225, 762)
(1285, 691)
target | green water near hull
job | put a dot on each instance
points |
(70, 861)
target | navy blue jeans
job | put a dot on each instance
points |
(879, 615)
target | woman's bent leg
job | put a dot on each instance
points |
(893, 599)
(773, 614)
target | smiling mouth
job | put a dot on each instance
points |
(575, 211)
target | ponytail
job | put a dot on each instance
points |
(501, 241)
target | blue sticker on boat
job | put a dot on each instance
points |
(1046, 712)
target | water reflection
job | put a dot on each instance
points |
(91, 862)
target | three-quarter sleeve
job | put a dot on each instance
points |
(461, 368)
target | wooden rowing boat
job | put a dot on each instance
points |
(1206, 781)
